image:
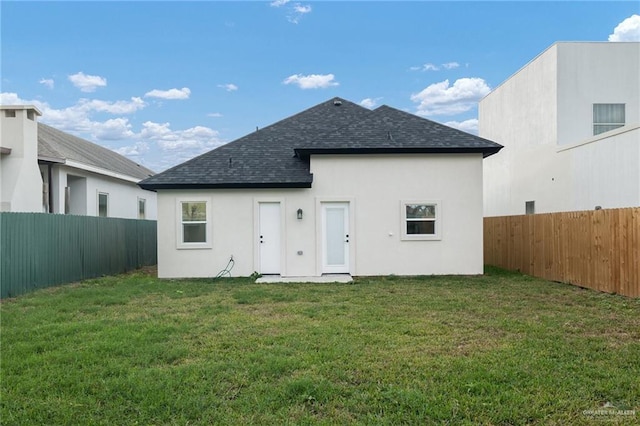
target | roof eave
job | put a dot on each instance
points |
(50, 160)
(229, 185)
(485, 151)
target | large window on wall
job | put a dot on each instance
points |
(420, 220)
(607, 117)
(103, 204)
(194, 230)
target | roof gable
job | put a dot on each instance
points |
(56, 145)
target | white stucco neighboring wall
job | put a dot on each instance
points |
(20, 177)
(123, 195)
(521, 115)
(543, 115)
(595, 73)
(614, 185)
(374, 186)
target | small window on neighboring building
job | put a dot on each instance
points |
(530, 207)
(194, 222)
(10, 113)
(142, 208)
(103, 204)
(607, 117)
(30, 115)
(420, 220)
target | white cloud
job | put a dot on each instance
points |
(117, 107)
(229, 87)
(135, 150)
(195, 137)
(469, 126)
(443, 99)
(295, 11)
(369, 102)
(179, 145)
(47, 82)
(87, 83)
(433, 67)
(112, 129)
(169, 94)
(311, 81)
(298, 8)
(214, 115)
(627, 30)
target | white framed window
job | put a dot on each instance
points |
(142, 208)
(420, 220)
(194, 223)
(103, 204)
(607, 117)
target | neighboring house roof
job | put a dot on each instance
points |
(277, 156)
(57, 146)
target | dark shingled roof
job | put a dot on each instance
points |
(388, 130)
(57, 146)
(277, 156)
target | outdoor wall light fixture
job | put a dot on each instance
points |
(299, 213)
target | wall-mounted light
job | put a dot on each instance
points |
(299, 213)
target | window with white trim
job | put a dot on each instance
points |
(103, 204)
(607, 117)
(194, 223)
(420, 220)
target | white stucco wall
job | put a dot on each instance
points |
(374, 186)
(20, 179)
(543, 115)
(590, 73)
(123, 195)
(592, 184)
(521, 115)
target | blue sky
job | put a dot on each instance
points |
(162, 82)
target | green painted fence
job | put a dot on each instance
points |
(40, 250)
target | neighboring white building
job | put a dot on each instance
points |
(43, 169)
(20, 181)
(570, 124)
(335, 189)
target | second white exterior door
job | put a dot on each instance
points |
(335, 238)
(269, 238)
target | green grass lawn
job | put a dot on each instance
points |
(497, 349)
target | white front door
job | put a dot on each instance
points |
(335, 238)
(269, 238)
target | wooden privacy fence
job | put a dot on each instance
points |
(40, 250)
(598, 249)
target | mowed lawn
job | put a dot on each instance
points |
(498, 349)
